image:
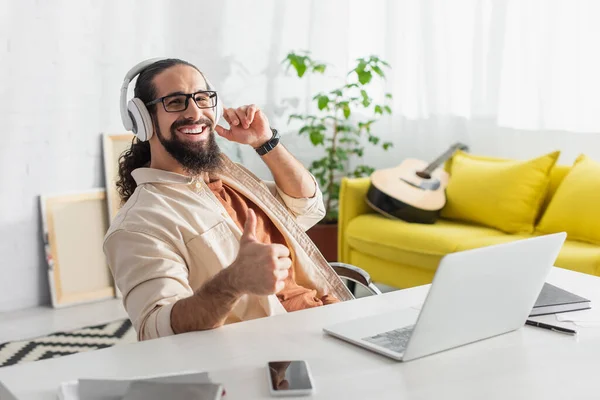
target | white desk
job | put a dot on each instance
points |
(530, 363)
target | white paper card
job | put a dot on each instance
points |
(583, 318)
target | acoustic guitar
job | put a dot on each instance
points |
(414, 191)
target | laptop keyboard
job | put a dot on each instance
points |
(395, 340)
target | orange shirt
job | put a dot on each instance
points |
(293, 297)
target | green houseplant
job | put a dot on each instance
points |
(341, 124)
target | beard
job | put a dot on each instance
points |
(194, 157)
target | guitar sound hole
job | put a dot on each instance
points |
(423, 175)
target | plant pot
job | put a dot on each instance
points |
(325, 238)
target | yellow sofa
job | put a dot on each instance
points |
(403, 254)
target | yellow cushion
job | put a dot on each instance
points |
(575, 207)
(419, 245)
(557, 174)
(502, 194)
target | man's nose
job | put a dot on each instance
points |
(194, 112)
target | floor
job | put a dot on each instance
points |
(40, 321)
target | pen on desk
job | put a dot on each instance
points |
(551, 327)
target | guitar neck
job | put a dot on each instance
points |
(438, 161)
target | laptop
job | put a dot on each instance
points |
(475, 294)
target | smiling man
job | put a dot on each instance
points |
(200, 241)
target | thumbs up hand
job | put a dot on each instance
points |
(260, 269)
(249, 234)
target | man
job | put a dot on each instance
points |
(200, 241)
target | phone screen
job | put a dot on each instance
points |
(289, 375)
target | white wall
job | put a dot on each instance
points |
(62, 63)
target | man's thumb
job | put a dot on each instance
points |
(250, 226)
(226, 133)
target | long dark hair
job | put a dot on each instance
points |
(138, 155)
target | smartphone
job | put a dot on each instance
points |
(289, 378)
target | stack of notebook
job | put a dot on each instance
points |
(554, 300)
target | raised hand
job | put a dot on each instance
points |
(247, 125)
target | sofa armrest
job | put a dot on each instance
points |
(353, 192)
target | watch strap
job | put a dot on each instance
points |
(269, 145)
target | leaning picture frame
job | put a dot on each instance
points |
(113, 145)
(74, 225)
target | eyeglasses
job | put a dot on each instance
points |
(179, 102)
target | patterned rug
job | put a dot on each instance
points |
(64, 343)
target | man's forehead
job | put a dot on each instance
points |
(179, 78)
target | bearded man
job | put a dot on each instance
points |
(200, 241)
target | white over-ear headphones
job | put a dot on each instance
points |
(135, 115)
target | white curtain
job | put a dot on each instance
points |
(530, 64)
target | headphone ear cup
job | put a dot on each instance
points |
(142, 122)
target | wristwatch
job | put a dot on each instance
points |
(270, 145)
